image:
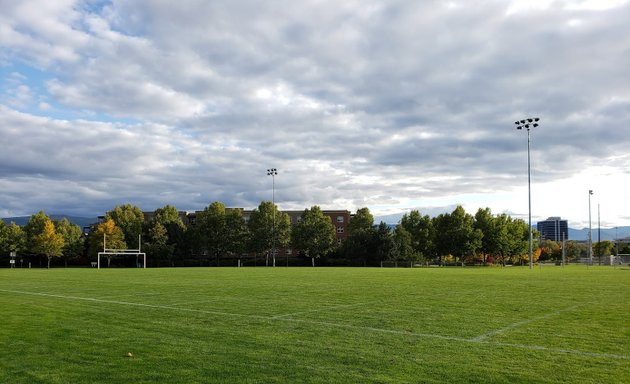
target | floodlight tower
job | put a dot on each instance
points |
(527, 124)
(273, 172)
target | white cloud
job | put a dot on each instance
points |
(41, 31)
(394, 105)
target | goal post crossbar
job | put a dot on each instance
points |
(109, 252)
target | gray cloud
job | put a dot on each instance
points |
(360, 103)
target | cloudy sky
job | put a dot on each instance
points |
(392, 105)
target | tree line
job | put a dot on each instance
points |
(221, 236)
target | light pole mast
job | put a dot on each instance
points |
(599, 237)
(527, 124)
(273, 172)
(590, 233)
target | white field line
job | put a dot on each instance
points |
(523, 322)
(321, 309)
(333, 325)
(193, 302)
(130, 295)
(210, 300)
(128, 303)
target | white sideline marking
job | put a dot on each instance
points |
(135, 304)
(319, 310)
(130, 295)
(213, 300)
(476, 340)
(523, 322)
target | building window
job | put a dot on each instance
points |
(340, 219)
(289, 251)
(340, 229)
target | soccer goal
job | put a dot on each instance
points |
(620, 259)
(117, 252)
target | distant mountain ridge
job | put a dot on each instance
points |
(80, 221)
(606, 233)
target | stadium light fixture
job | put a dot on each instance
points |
(531, 122)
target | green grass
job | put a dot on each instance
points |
(315, 325)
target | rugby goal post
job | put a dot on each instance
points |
(131, 252)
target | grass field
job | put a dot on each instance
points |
(315, 325)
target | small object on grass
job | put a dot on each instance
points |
(129, 354)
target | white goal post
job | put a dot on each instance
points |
(131, 252)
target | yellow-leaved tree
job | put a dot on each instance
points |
(48, 243)
(113, 235)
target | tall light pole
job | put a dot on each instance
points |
(527, 124)
(599, 237)
(590, 233)
(273, 172)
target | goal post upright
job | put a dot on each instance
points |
(136, 252)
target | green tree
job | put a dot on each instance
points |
(3, 236)
(361, 241)
(212, 229)
(574, 250)
(192, 242)
(497, 240)
(220, 231)
(401, 245)
(456, 234)
(517, 247)
(422, 233)
(236, 234)
(603, 248)
(34, 227)
(486, 223)
(15, 239)
(361, 220)
(129, 219)
(48, 243)
(157, 245)
(74, 242)
(166, 215)
(170, 218)
(383, 241)
(314, 234)
(268, 227)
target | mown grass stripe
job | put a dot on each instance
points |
(477, 340)
(524, 322)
